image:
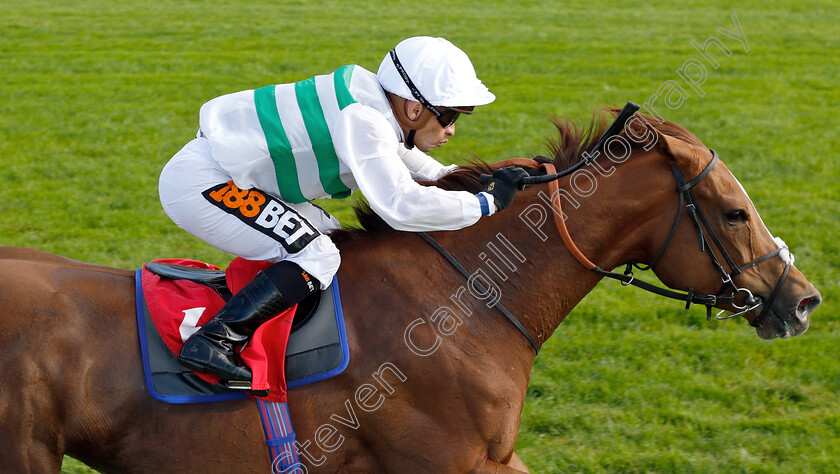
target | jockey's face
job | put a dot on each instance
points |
(432, 135)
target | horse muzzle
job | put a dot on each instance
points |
(785, 319)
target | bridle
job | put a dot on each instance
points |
(705, 234)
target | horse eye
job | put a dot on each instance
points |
(736, 216)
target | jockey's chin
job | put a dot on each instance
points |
(432, 135)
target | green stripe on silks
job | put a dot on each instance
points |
(341, 80)
(319, 136)
(278, 145)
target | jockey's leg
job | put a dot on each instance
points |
(305, 260)
(211, 348)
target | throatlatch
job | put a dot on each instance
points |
(701, 225)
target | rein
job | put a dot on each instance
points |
(527, 163)
(703, 227)
(448, 256)
(698, 218)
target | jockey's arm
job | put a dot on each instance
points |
(421, 165)
(365, 141)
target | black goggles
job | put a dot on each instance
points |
(447, 116)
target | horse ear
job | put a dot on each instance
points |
(685, 155)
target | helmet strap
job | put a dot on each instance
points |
(399, 106)
(409, 140)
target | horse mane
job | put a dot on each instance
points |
(567, 150)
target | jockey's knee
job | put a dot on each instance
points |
(320, 258)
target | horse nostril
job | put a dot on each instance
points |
(807, 306)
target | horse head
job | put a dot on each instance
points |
(669, 204)
(721, 246)
(672, 206)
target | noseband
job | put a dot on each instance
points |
(705, 234)
(704, 230)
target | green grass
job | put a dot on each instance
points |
(97, 95)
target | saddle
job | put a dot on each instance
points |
(174, 295)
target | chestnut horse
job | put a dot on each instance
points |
(438, 375)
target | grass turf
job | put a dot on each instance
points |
(97, 95)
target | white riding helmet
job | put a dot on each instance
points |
(441, 73)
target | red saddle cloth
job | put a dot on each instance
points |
(179, 307)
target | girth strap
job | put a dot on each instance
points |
(448, 256)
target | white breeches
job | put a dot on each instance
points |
(271, 231)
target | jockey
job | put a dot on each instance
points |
(243, 185)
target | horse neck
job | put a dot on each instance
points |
(620, 222)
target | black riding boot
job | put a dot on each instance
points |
(211, 349)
